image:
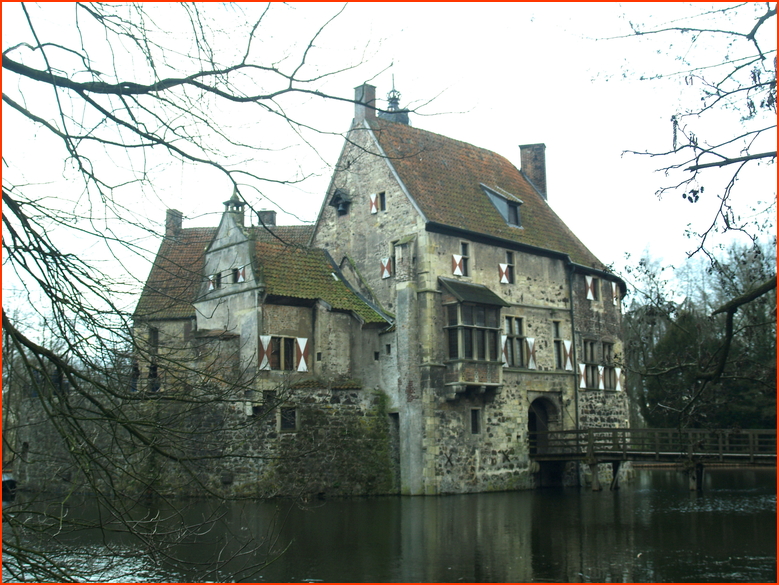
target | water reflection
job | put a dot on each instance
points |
(653, 529)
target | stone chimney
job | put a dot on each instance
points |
(365, 106)
(533, 160)
(267, 217)
(173, 219)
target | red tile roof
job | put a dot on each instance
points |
(443, 176)
(175, 276)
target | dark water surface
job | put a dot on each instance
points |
(652, 530)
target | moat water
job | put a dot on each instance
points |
(652, 530)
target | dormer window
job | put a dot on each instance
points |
(506, 204)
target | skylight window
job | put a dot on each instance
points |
(507, 205)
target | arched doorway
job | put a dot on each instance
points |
(540, 419)
(544, 416)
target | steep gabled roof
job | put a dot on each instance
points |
(175, 276)
(307, 273)
(445, 177)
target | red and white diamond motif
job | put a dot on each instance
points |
(503, 270)
(302, 354)
(264, 352)
(568, 348)
(590, 288)
(386, 268)
(457, 265)
(374, 203)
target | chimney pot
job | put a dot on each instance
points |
(533, 160)
(365, 102)
(173, 218)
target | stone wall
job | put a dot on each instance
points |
(341, 444)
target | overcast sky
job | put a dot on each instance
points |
(496, 76)
(500, 75)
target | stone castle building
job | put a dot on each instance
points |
(436, 314)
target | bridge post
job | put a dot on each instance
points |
(614, 475)
(596, 487)
(695, 475)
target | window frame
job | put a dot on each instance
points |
(476, 422)
(282, 349)
(590, 359)
(510, 266)
(516, 341)
(465, 248)
(473, 330)
(284, 418)
(559, 349)
(609, 368)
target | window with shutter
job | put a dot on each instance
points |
(514, 344)
(386, 267)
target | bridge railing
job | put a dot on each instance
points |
(660, 443)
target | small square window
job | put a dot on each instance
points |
(382, 201)
(319, 356)
(388, 347)
(376, 355)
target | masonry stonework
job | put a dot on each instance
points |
(423, 337)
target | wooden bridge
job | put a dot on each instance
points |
(691, 448)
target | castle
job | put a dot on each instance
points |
(436, 315)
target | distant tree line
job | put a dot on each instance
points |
(693, 359)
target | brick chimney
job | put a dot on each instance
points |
(267, 217)
(533, 160)
(173, 219)
(365, 106)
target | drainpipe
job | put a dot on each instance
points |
(573, 344)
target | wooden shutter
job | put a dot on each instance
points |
(211, 282)
(615, 292)
(457, 265)
(531, 353)
(590, 285)
(242, 274)
(301, 355)
(504, 345)
(503, 271)
(568, 355)
(374, 203)
(618, 377)
(601, 379)
(386, 268)
(582, 376)
(265, 352)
